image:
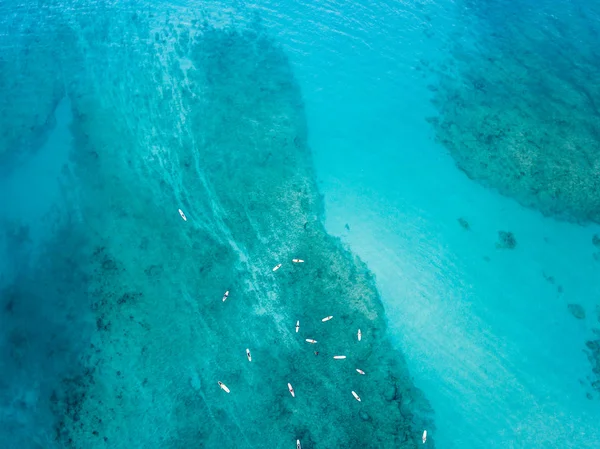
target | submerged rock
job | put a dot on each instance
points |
(596, 240)
(506, 240)
(464, 223)
(577, 311)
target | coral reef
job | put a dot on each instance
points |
(45, 327)
(518, 112)
(172, 115)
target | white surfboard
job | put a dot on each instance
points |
(226, 295)
(182, 215)
(424, 436)
(311, 341)
(339, 357)
(248, 355)
(291, 390)
(327, 318)
(297, 261)
(359, 335)
(359, 371)
(223, 387)
(277, 267)
(298, 446)
(356, 396)
(297, 326)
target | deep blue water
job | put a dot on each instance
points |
(451, 146)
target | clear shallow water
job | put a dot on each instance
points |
(486, 332)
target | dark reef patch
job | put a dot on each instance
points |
(593, 354)
(549, 278)
(506, 240)
(464, 224)
(577, 311)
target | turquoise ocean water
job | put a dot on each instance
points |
(434, 163)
